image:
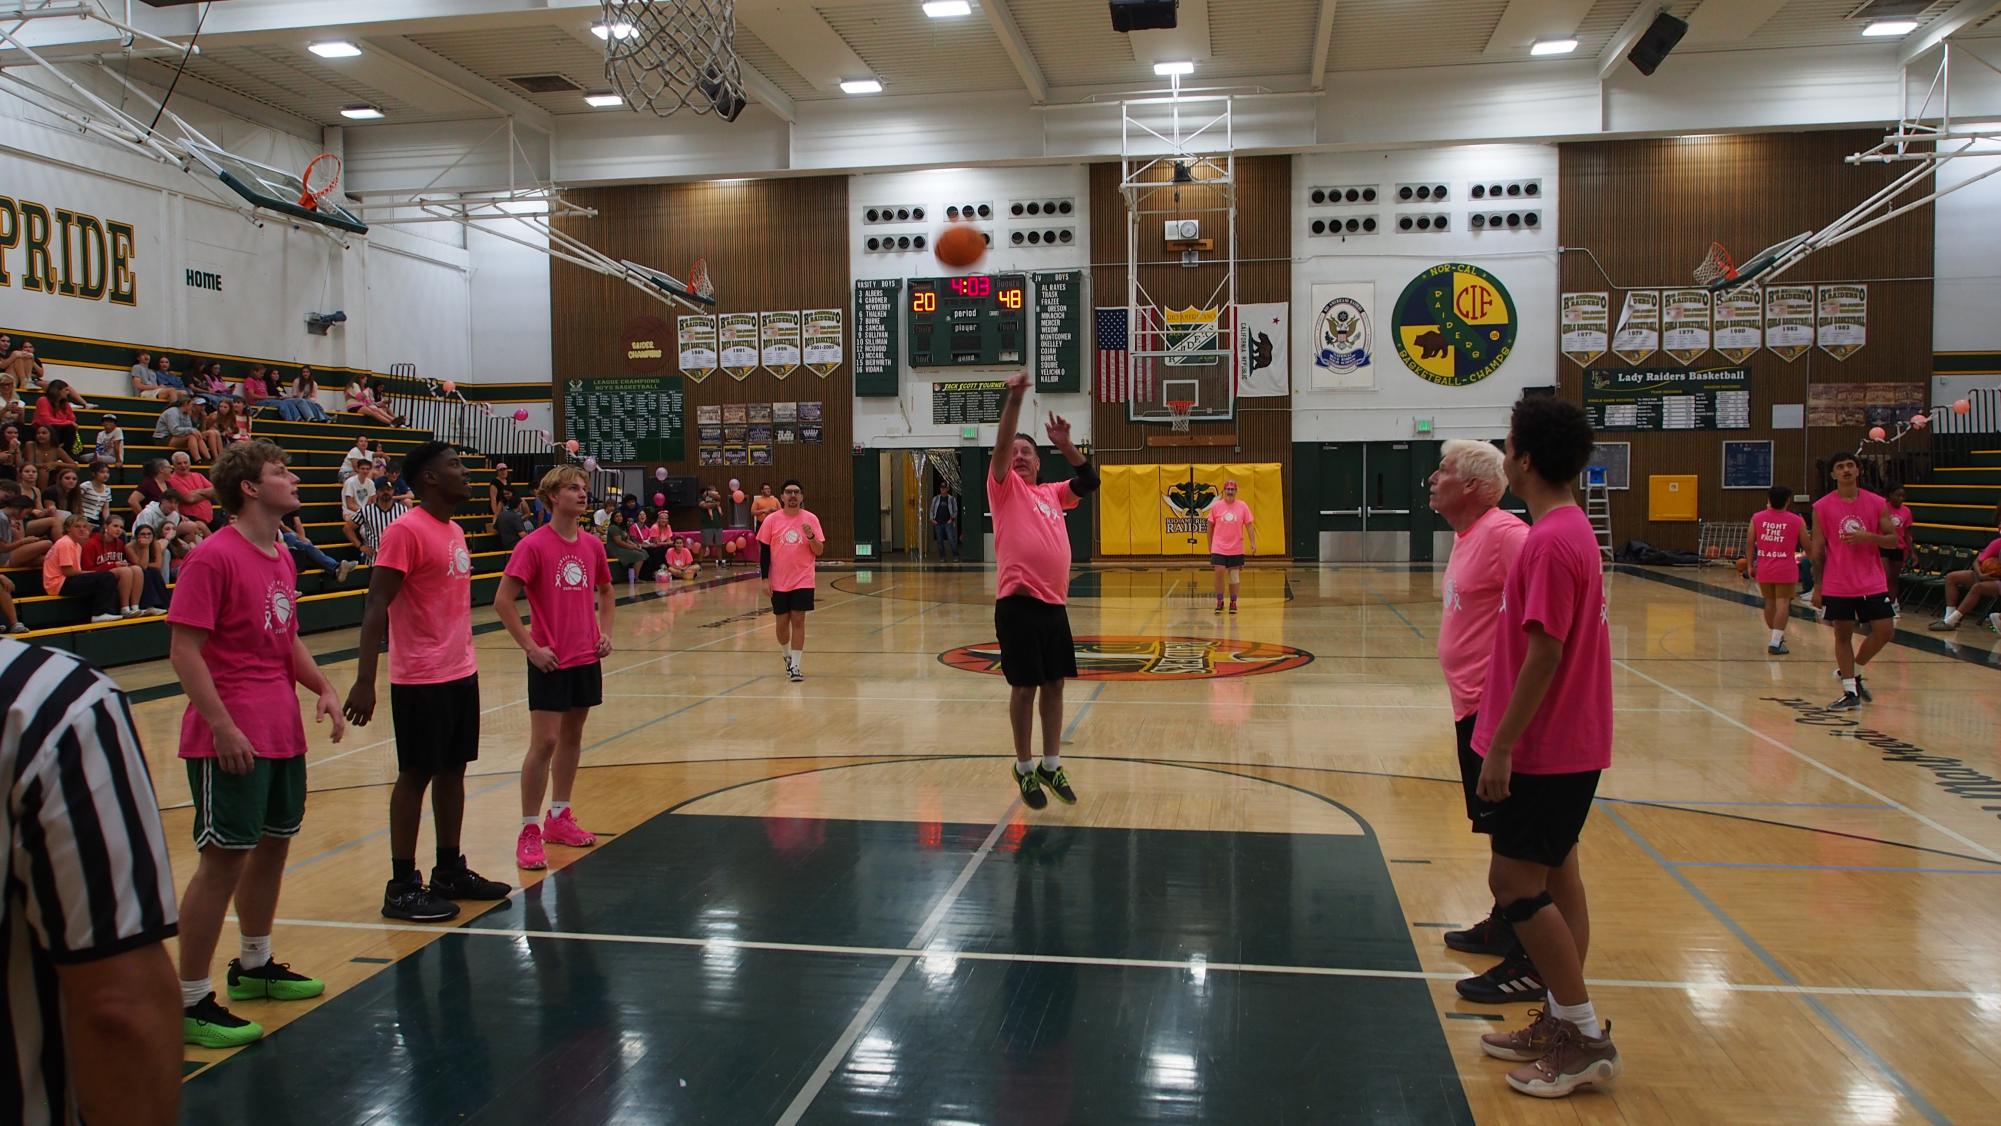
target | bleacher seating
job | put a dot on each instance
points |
(316, 450)
(1954, 519)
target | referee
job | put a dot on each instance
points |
(93, 1019)
(365, 525)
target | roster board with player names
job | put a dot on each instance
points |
(1668, 399)
(625, 421)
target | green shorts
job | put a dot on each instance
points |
(238, 810)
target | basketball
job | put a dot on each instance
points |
(1744, 567)
(961, 246)
(1713, 552)
(1989, 568)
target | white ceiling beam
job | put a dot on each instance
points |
(1526, 21)
(807, 42)
(1001, 19)
(1323, 44)
(229, 101)
(445, 74)
(1959, 18)
(1729, 21)
(766, 93)
(1629, 34)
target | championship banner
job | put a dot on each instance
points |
(1587, 322)
(1685, 323)
(781, 342)
(1789, 315)
(738, 336)
(698, 347)
(1190, 330)
(820, 336)
(1343, 337)
(1740, 322)
(1639, 334)
(1263, 341)
(1454, 325)
(1163, 509)
(1842, 326)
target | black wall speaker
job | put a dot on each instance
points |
(1144, 15)
(1655, 43)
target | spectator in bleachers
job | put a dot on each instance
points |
(56, 409)
(65, 492)
(255, 389)
(44, 519)
(307, 555)
(13, 409)
(364, 528)
(232, 423)
(359, 486)
(146, 552)
(353, 457)
(8, 617)
(663, 528)
(104, 551)
(366, 400)
(645, 534)
(17, 547)
(305, 392)
(145, 381)
(178, 430)
(46, 451)
(165, 375)
(195, 490)
(110, 445)
(629, 504)
(1966, 590)
(63, 575)
(151, 487)
(22, 365)
(206, 385)
(511, 525)
(625, 551)
(500, 492)
(96, 490)
(13, 455)
(680, 562)
(177, 535)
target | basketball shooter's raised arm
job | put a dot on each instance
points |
(1010, 423)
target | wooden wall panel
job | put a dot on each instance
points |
(1647, 211)
(1263, 427)
(774, 244)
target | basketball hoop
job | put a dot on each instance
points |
(671, 57)
(1177, 411)
(1716, 267)
(699, 283)
(319, 180)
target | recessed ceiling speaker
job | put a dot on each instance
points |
(1656, 41)
(1144, 15)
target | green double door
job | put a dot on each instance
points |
(1363, 502)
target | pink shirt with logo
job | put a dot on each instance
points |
(1556, 583)
(430, 623)
(1482, 556)
(1031, 543)
(243, 597)
(1775, 537)
(678, 556)
(1227, 521)
(1853, 570)
(792, 558)
(1900, 524)
(561, 578)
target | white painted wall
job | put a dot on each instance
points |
(905, 422)
(511, 335)
(1524, 262)
(1967, 261)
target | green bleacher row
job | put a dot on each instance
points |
(316, 450)
(1955, 509)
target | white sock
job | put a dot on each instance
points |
(1778, 637)
(1994, 619)
(1052, 762)
(531, 819)
(255, 952)
(1582, 1015)
(193, 991)
(1848, 685)
(557, 808)
(1952, 616)
(1023, 766)
(795, 655)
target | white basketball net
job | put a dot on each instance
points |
(1716, 266)
(671, 56)
(1178, 416)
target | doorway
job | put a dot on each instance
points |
(1364, 502)
(893, 491)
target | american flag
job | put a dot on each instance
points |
(1119, 374)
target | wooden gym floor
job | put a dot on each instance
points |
(821, 903)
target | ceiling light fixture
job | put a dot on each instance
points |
(1891, 27)
(1167, 69)
(614, 30)
(360, 113)
(945, 9)
(603, 99)
(334, 49)
(861, 85)
(1553, 47)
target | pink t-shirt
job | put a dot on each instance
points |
(1227, 521)
(561, 578)
(65, 552)
(678, 556)
(1775, 537)
(1031, 543)
(430, 623)
(1482, 556)
(193, 482)
(1853, 570)
(243, 597)
(1555, 583)
(1900, 524)
(791, 558)
(1990, 551)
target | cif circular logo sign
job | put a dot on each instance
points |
(1454, 325)
(1151, 658)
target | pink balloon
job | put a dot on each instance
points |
(571, 445)
(521, 415)
(1920, 421)
(1961, 406)
(737, 496)
(732, 546)
(735, 484)
(1877, 434)
(449, 386)
(590, 465)
(659, 500)
(660, 474)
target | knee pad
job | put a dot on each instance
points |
(1236, 574)
(1522, 910)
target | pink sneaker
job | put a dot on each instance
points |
(564, 830)
(528, 849)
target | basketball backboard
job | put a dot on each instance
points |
(272, 189)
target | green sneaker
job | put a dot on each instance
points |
(273, 981)
(1031, 789)
(207, 1024)
(1058, 781)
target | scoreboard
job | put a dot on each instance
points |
(977, 320)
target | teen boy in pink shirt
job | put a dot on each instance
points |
(1545, 733)
(794, 541)
(1032, 555)
(1851, 526)
(1895, 559)
(1230, 523)
(235, 647)
(567, 578)
(1775, 538)
(420, 596)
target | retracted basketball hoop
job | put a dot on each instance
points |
(319, 180)
(1717, 268)
(698, 280)
(1177, 414)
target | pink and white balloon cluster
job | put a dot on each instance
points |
(1915, 423)
(449, 389)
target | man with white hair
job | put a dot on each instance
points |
(1466, 490)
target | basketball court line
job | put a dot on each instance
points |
(1342, 706)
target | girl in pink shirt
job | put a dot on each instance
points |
(1896, 559)
(1775, 539)
(1230, 523)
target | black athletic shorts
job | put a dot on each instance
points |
(1892, 554)
(792, 601)
(437, 725)
(1542, 817)
(1035, 641)
(1869, 608)
(1469, 770)
(581, 686)
(1225, 560)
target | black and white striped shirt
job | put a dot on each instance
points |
(87, 862)
(371, 518)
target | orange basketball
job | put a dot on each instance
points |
(1743, 566)
(961, 246)
(1713, 552)
(1989, 568)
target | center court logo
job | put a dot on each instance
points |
(1152, 658)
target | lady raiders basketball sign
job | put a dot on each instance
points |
(1454, 325)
